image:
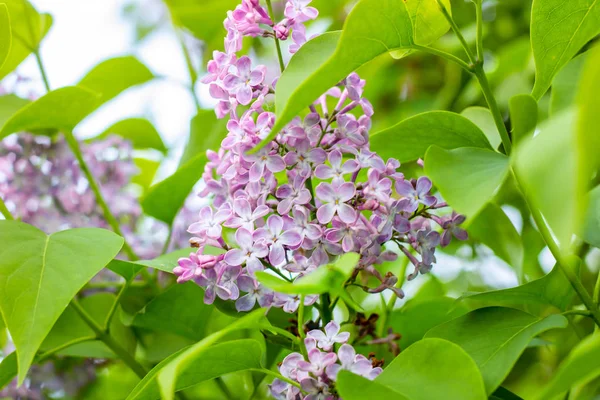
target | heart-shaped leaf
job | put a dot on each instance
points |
(559, 30)
(61, 109)
(410, 139)
(139, 131)
(40, 274)
(5, 34)
(373, 28)
(467, 178)
(495, 338)
(28, 28)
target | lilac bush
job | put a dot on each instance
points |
(314, 192)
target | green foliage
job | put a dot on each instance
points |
(10, 104)
(326, 279)
(548, 168)
(581, 365)
(493, 228)
(482, 117)
(372, 28)
(495, 338)
(8, 368)
(28, 28)
(455, 375)
(202, 361)
(587, 138)
(592, 226)
(5, 34)
(565, 85)
(113, 76)
(206, 133)
(170, 312)
(61, 109)
(523, 116)
(139, 131)
(33, 266)
(558, 31)
(70, 328)
(410, 139)
(467, 177)
(355, 387)
(164, 200)
(535, 297)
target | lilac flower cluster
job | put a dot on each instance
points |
(43, 185)
(318, 374)
(360, 203)
(40, 180)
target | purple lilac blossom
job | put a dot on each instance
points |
(313, 192)
(318, 374)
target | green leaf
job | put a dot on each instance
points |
(483, 118)
(10, 104)
(111, 77)
(495, 338)
(147, 171)
(354, 387)
(434, 369)
(549, 172)
(5, 34)
(373, 28)
(168, 261)
(164, 199)
(588, 139)
(203, 19)
(535, 297)
(208, 363)
(565, 85)
(328, 278)
(413, 320)
(493, 228)
(112, 381)
(523, 116)
(171, 312)
(206, 133)
(8, 369)
(410, 139)
(581, 365)
(467, 178)
(126, 269)
(61, 109)
(70, 327)
(32, 267)
(139, 131)
(28, 28)
(504, 394)
(559, 30)
(591, 233)
(172, 374)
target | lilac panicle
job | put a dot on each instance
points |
(312, 193)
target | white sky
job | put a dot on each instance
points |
(86, 32)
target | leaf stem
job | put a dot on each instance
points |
(110, 218)
(456, 30)
(301, 318)
(277, 44)
(47, 354)
(479, 39)
(493, 106)
(109, 341)
(567, 266)
(167, 240)
(585, 313)
(190, 67)
(392, 302)
(40, 64)
(447, 56)
(597, 291)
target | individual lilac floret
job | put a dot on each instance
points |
(332, 335)
(249, 253)
(274, 236)
(334, 198)
(451, 228)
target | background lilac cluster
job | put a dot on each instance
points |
(317, 374)
(311, 194)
